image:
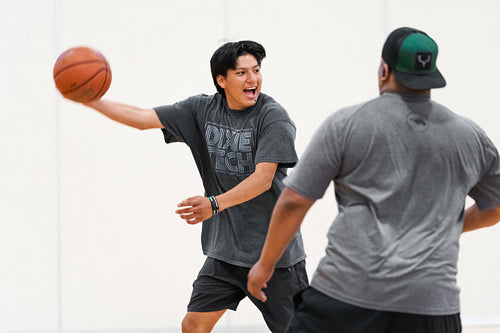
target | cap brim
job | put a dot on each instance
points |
(419, 82)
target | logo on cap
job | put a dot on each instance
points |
(423, 61)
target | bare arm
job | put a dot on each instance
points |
(476, 219)
(252, 186)
(126, 114)
(288, 214)
(197, 209)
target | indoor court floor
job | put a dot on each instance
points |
(485, 329)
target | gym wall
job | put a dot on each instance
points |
(88, 236)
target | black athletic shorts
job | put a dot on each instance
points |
(220, 286)
(317, 312)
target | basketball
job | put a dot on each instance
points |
(82, 74)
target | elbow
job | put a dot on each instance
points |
(262, 182)
(496, 219)
(290, 205)
(477, 219)
(145, 125)
(266, 184)
(294, 203)
(263, 176)
(147, 119)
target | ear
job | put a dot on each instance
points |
(384, 71)
(221, 81)
(384, 77)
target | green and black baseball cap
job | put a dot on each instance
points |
(411, 54)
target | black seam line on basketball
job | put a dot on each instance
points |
(84, 83)
(98, 95)
(80, 63)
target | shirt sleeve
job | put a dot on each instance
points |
(319, 164)
(276, 141)
(179, 120)
(486, 193)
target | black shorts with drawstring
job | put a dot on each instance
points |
(221, 286)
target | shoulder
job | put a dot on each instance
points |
(199, 104)
(269, 104)
(476, 132)
(461, 125)
(344, 123)
(349, 114)
(205, 99)
(270, 110)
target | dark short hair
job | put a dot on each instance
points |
(225, 58)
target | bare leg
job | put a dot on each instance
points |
(200, 322)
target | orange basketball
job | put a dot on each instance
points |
(82, 74)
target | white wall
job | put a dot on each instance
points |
(88, 237)
(29, 163)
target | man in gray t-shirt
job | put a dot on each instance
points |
(402, 166)
(242, 142)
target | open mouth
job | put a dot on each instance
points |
(251, 93)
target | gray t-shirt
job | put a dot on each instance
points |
(402, 167)
(226, 145)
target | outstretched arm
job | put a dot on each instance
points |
(476, 219)
(126, 114)
(288, 214)
(197, 209)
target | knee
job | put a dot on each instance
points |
(200, 322)
(191, 325)
(188, 325)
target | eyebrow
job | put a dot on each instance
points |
(243, 68)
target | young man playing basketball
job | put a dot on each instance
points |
(402, 166)
(242, 142)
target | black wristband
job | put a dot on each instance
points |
(215, 205)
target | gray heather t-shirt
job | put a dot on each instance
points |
(226, 145)
(402, 167)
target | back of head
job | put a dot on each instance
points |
(225, 58)
(411, 55)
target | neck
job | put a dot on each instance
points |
(407, 91)
(390, 84)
